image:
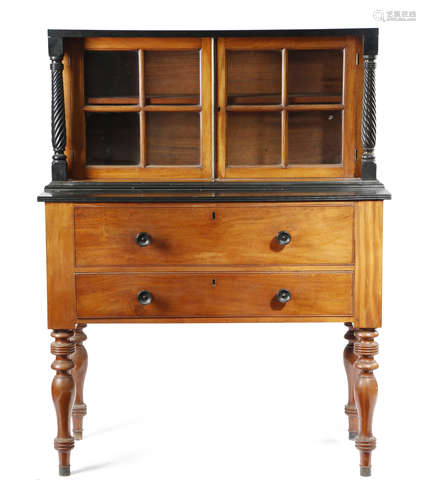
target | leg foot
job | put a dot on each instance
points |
(349, 359)
(365, 394)
(63, 391)
(78, 436)
(352, 435)
(365, 471)
(64, 470)
(79, 374)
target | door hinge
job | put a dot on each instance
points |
(356, 59)
(355, 154)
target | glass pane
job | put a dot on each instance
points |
(172, 77)
(254, 77)
(314, 137)
(173, 138)
(253, 138)
(112, 138)
(314, 76)
(111, 74)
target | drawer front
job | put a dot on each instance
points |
(193, 295)
(196, 236)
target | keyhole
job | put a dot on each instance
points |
(213, 215)
(214, 282)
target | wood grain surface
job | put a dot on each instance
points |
(214, 235)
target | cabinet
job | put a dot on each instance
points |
(213, 177)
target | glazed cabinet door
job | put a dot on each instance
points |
(140, 108)
(286, 107)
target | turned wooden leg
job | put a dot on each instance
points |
(63, 395)
(78, 373)
(349, 359)
(365, 394)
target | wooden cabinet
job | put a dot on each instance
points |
(213, 177)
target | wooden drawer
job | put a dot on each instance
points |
(214, 235)
(195, 295)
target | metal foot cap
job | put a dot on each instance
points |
(78, 435)
(365, 471)
(352, 435)
(64, 470)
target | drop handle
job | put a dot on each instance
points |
(143, 239)
(283, 296)
(283, 238)
(144, 297)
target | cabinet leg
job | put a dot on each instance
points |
(63, 395)
(78, 373)
(349, 359)
(365, 394)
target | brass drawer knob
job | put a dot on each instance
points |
(145, 297)
(143, 239)
(283, 295)
(283, 238)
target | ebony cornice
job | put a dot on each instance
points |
(370, 35)
(198, 192)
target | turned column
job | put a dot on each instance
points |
(368, 124)
(59, 137)
(349, 359)
(63, 395)
(365, 394)
(78, 373)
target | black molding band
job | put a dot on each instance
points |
(370, 35)
(179, 192)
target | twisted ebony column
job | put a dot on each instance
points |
(59, 137)
(368, 126)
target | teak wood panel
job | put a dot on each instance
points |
(214, 235)
(60, 265)
(368, 264)
(210, 295)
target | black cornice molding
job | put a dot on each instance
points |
(198, 192)
(370, 35)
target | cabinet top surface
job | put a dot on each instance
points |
(212, 33)
(370, 35)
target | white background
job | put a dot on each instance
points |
(210, 411)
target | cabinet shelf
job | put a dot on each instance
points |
(108, 108)
(291, 99)
(313, 99)
(255, 107)
(173, 99)
(254, 99)
(112, 100)
(314, 107)
(279, 107)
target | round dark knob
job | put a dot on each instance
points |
(283, 295)
(143, 239)
(283, 238)
(144, 297)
